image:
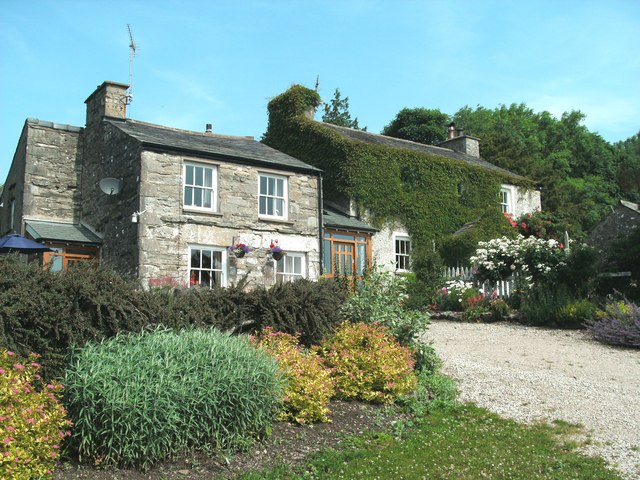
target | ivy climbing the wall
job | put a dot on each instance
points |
(431, 195)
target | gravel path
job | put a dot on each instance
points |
(530, 374)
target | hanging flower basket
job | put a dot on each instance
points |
(239, 250)
(276, 252)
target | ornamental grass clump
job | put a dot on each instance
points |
(33, 423)
(368, 363)
(617, 324)
(309, 386)
(136, 399)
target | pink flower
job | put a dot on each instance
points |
(2, 371)
(10, 429)
(35, 365)
(18, 366)
(11, 354)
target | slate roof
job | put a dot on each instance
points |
(336, 219)
(236, 149)
(391, 142)
(63, 232)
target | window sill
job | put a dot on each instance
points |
(194, 211)
(275, 220)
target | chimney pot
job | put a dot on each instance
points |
(451, 130)
(208, 128)
(460, 131)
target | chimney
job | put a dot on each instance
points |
(451, 131)
(460, 142)
(108, 100)
(208, 128)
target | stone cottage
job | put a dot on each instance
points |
(388, 181)
(160, 203)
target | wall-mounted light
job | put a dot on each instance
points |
(135, 216)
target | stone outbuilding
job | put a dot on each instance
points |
(162, 204)
(621, 222)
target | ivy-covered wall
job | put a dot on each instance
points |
(432, 196)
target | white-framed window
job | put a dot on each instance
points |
(273, 197)
(200, 186)
(402, 252)
(291, 267)
(207, 266)
(505, 200)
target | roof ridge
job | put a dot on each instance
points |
(331, 125)
(193, 132)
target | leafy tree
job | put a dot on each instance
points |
(422, 125)
(627, 163)
(337, 112)
(575, 167)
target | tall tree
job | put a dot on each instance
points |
(627, 161)
(337, 112)
(420, 125)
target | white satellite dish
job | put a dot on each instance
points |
(111, 186)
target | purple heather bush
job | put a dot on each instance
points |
(617, 324)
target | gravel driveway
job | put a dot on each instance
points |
(528, 374)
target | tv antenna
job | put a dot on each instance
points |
(132, 53)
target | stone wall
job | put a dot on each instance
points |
(52, 176)
(13, 189)
(111, 153)
(167, 230)
(43, 178)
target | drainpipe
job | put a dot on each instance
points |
(320, 226)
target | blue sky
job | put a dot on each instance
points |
(220, 62)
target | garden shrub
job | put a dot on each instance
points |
(138, 398)
(381, 299)
(310, 309)
(428, 268)
(617, 324)
(223, 308)
(575, 313)
(433, 390)
(542, 306)
(48, 312)
(309, 386)
(499, 309)
(454, 296)
(425, 357)
(368, 363)
(33, 423)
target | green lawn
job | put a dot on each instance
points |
(466, 442)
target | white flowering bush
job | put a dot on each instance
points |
(535, 258)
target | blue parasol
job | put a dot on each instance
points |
(15, 243)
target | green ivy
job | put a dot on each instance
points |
(431, 196)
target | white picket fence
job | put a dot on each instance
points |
(503, 287)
